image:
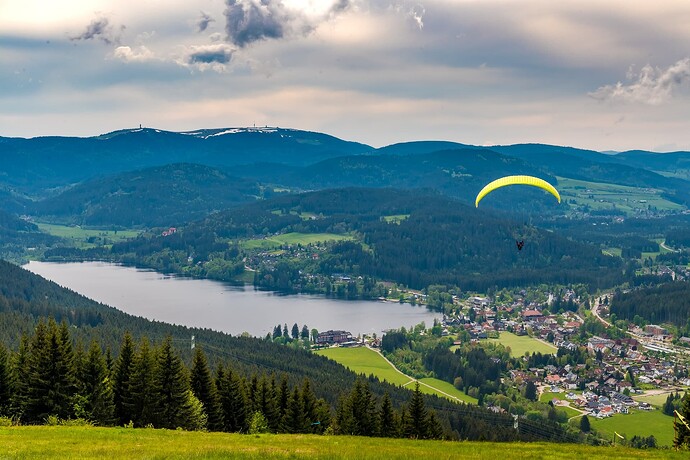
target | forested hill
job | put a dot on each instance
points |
(167, 195)
(410, 237)
(459, 173)
(44, 162)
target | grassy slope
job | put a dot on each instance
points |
(365, 361)
(79, 235)
(598, 195)
(122, 443)
(640, 423)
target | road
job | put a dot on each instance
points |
(595, 310)
(412, 379)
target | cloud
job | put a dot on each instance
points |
(248, 21)
(203, 22)
(208, 57)
(98, 29)
(652, 85)
(138, 54)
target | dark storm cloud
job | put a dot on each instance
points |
(252, 20)
(203, 22)
(98, 29)
(212, 55)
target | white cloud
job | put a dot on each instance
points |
(651, 86)
(137, 54)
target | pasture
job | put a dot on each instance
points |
(291, 239)
(637, 422)
(362, 360)
(82, 237)
(600, 196)
(521, 344)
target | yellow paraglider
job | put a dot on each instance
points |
(516, 180)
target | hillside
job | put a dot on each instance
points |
(39, 164)
(167, 195)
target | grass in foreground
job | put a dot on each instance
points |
(519, 345)
(123, 443)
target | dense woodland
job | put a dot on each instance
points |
(665, 303)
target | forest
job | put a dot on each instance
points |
(665, 303)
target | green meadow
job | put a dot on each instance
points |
(598, 196)
(365, 361)
(362, 360)
(637, 422)
(80, 236)
(40, 442)
(521, 344)
(292, 238)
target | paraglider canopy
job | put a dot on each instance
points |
(516, 180)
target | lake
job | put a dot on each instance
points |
(223, 307)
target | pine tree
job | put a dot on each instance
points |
(310, 406)
(283, 397)
(266, 401)
(418, 422)
(123, 370)
(139, 404)
(5, 394)
(204, 388)
(294, 416)
(96, 388)
(19, 378)
(172, 384)
(305, 333)
(668, 406)
(682, 439)
(585, 426)
(387, 426)
(233, 400)
(295, 331)
(51, 374)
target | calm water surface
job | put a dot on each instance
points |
(222, 307)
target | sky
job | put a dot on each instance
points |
(602, 75)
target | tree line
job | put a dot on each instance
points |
(149, 385)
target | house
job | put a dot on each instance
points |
(531, 314)
(333, 337)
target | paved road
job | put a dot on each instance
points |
(412, 379)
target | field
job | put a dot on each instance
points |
(362, 360)
(292, 238)
(598, 196)
(126, 443)
(365, 361)
(519, 345)
(637, 422)
(446, 388)
(87, 237)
